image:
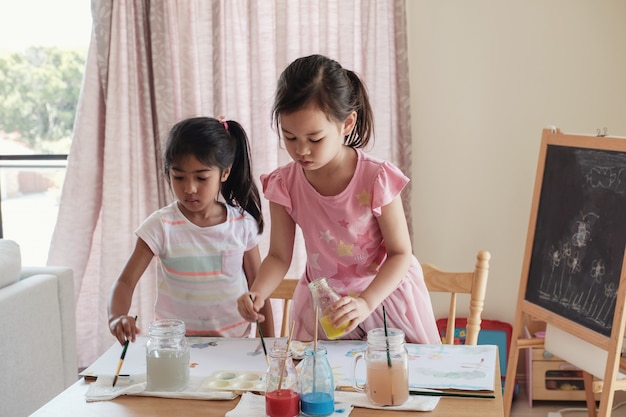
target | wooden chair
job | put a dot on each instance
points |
(473, 283)
(284, 292)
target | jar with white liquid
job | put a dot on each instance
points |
(167, 356)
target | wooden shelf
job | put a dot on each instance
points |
(555, 380)
(550, 377)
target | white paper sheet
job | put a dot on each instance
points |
(207, 355)
(461, 367)
(430, 366)
(577, 352)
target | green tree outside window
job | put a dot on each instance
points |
(40, 88)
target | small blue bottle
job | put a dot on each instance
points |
(317, 389)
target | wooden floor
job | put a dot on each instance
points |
(567, 409)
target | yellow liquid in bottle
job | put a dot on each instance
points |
(331, 331)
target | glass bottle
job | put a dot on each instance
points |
(282, 388)
(325, 296)
(387, 372)
(167, 356)
(317, 390)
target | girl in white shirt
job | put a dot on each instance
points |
(206, 249)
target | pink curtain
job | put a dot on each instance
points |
(151, 64)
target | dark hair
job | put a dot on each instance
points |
(323, 82)
(218, 144)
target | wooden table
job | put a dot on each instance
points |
(71, 403)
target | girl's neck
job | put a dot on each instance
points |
(335, 176)
(214, 214)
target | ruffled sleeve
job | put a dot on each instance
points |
(388, 184)
(275, 189)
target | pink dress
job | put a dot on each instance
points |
(345, 245)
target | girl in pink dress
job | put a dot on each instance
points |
(348, 207)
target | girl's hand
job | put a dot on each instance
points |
(249, 309)
(124, 328)
(350, 309)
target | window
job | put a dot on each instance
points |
(43, 46)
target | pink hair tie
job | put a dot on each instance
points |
(222, 120)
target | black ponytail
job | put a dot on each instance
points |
(239, 188)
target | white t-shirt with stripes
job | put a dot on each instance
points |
(200, 269)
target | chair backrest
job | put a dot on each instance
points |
(473, 283)
(284, 292)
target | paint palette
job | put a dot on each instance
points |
(235, 381)
(297, 349)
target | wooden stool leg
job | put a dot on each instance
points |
(589, 395)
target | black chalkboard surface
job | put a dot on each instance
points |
(580, 234)
(574, 271)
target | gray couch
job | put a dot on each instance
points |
(37, 333)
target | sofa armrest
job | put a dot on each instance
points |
(58, 271)
(67, 303)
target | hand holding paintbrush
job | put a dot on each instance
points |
(121, 361)
(258, 326)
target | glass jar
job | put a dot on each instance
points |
(282, 388)
(317, 390)
(324, 296)
(387, 371)
(167, 356)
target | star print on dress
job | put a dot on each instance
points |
(364, 218)
(326, 236)
(364, 198)
(346, 271)
(363, 239)
(344, 249)
(344, 223)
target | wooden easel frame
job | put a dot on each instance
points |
(612, 344)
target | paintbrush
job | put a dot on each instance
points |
(431, 393)
(284, 364)
(258, 326)
(451, 394)
(386, 337)
(388, 354)
(317, 315)
(121, 361)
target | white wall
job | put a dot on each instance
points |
(486, 77)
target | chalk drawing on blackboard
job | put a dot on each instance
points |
(574, 267)
(566, 262)
(583, 232)
(579, 235)
(604, 177)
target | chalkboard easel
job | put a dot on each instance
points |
(574, 271)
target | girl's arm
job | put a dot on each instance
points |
(251, 263)
(122, 326)
(275, 265)
(395, 232)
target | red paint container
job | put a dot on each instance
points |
(282, 403)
